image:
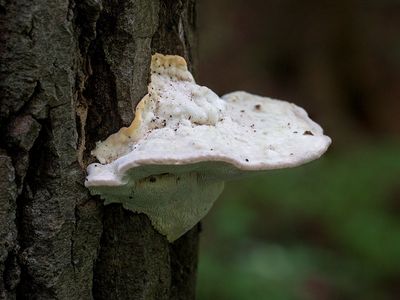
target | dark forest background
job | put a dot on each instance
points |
(330, 229)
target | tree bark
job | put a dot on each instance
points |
(71, 74)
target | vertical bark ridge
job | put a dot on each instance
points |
(71, 74)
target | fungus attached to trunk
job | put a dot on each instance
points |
(185, 141)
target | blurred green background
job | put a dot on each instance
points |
(329, 229)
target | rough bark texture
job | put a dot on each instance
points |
(71, 74)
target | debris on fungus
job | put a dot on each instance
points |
(185, 141)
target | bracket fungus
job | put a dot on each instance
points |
(185, 141)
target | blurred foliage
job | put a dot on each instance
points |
(330, 229)
(326, 230)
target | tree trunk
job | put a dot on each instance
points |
(71, 74)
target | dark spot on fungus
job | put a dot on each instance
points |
(152, 179)
(257, 106)
(308, 132)
(295, 132)
(242, 111)
(291, 153)
(247, 159)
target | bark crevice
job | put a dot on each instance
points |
(72, 73)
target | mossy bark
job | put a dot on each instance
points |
(71, 74)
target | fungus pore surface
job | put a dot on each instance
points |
(185, 141)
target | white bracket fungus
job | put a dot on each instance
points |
(185, 141)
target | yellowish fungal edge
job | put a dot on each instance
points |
(107, 150)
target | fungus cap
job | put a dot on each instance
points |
(185, 141)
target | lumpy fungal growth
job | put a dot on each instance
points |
(185, 141)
